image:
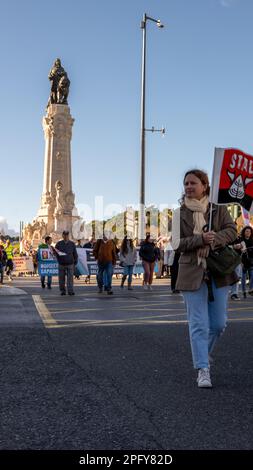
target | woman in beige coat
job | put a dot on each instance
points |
(207, 319)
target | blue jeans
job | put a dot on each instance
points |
(235, 287)
(104, 275)
(128, 271)
(49, 280)
(1, 273)
(9, 266)
(244, 277)
(207, 321)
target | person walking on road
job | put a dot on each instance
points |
(46, 245)
(105, 254)
(77, 274)
(149, 254)
(67, 258)
(10, 254)
(174, 273)
(247, 258)
(206, 317)
(161, 265)
(89, 245)
(234, 293)
(3, 261)
(128, 257)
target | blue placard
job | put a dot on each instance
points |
(48, 268)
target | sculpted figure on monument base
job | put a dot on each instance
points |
(28, 231)
(47, 199)
(70, 201)
(36, 228)
(43, 229)
(59, 197)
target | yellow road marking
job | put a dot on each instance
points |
(129, 322)
(77, 310)
(240, 320)
(50, 322)
(114, 323)
(147, 308)
(117, 309)
(43, 311)
(115, 319)
(149, 304)
(242, 308)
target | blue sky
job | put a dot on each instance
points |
(199, 86)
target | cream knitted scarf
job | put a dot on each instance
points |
(199, 208)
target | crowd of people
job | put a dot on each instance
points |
(106, 253)
(152, 252)
(199, 228)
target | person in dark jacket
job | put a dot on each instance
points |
(90, 244)
(234, 293)
(149, 254)
(3, 261)
(67, 258)
(247, 258)
(174, 273)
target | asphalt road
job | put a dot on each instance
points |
(115, 372)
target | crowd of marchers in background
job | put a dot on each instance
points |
(108, 251)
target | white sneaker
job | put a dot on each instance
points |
(145, 287)
(203, 379)
(150, 287)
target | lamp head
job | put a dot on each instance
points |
(159, 24)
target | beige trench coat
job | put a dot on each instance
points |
(190, 275)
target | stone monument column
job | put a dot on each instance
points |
(57, 208)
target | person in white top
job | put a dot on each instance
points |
(127, 258)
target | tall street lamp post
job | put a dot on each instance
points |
(142, 223)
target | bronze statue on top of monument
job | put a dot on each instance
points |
(60, 84)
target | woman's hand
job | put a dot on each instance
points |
(238, 246)
(208, 237)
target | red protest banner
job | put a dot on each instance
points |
(232, 180)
